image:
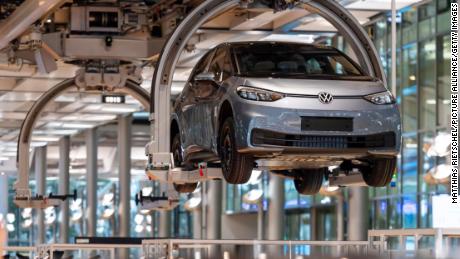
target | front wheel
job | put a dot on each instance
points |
(309, 181)
(176, 149)
(236, 167)
(379, 172)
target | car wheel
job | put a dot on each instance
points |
(236, 167)
(380, 172)
(309, 181)
(176, 149)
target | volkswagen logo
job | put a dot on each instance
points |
(325, 98)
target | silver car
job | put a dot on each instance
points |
(294, 109)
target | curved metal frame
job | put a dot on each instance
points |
(22, 159)
(160, 92)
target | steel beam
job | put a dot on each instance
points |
(23, 17)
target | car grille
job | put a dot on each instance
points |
(383, 140)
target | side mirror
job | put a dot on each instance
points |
(206, 76)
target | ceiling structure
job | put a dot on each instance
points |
(75, 111)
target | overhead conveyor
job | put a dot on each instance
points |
(24, 197)
(158, 150)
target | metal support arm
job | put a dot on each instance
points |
(24, 196)
(336, 14)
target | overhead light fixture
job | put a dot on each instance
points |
(139, 219)
(27, 223)
(10, 218)
(144, 212)
(149, 219)
(113, 99)
(107, 199)
(193, 203)
(255, 177)
(76, 215)
(148, 228)
(328, 190)
(27, 213)
(253, 196)
(441, 145)
(441, 172)
(139, 228)
(326, 200)
(45, 138)
(10, 227)
(108, 213)
(147, 191)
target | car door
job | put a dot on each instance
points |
(208, 94)
(186, 103)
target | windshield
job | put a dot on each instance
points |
(294, 60)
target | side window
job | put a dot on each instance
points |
(221, 65)
(201, 66)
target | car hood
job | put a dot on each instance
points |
(315, 86)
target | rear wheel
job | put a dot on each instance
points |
(309, 181)
(176, 149)
(236, 167)
(379, 172)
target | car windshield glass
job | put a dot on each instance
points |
(294, 60)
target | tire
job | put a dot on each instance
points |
(380, 172)
(309, 181)
(178, 162)
(236, 167)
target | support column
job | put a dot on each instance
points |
(4, 206)
(275, 224)
(164, 227)
(40, 179)
(393, 48)
(64, 178)
(124, 173)
(214, 210)
(339, 213)
(91, 178)
(358, 216)
(197, 223)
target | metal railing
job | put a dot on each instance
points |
(29, 249)
(48, 250)
(228, 249)
(439, 248)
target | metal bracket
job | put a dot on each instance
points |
(351, 179)
(37, 202)
(167, 201)
(161, 168)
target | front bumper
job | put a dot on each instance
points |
(275, 127)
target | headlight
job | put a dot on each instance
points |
(381, 98)
(256, 94)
